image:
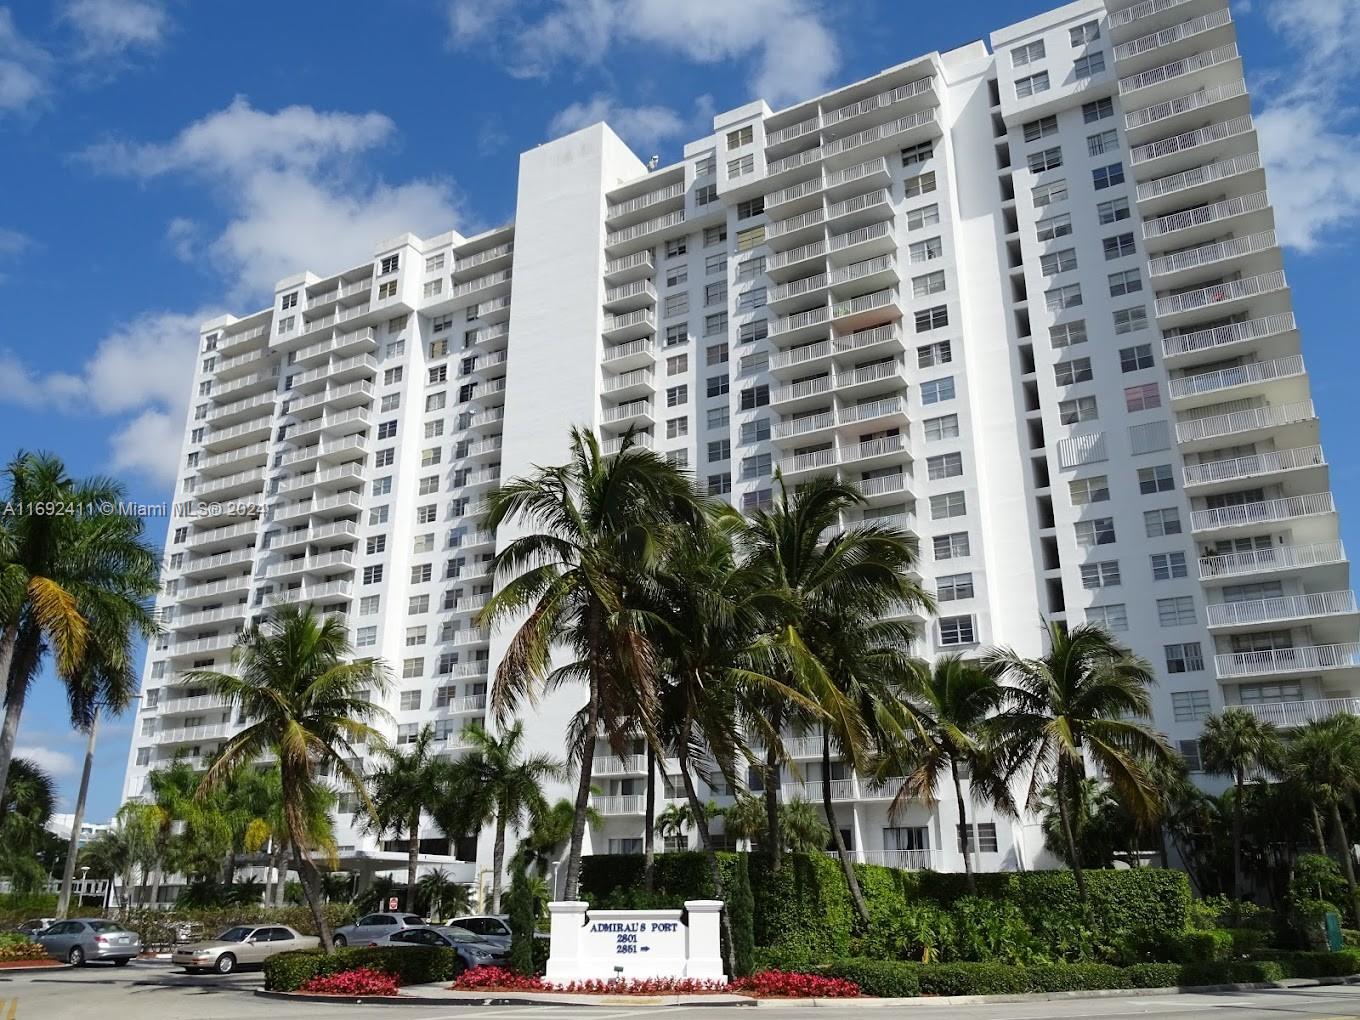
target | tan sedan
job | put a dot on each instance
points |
(240, 946)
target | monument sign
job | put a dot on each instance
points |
(635, 944)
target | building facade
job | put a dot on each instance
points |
(1028, 297)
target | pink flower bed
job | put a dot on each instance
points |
(360, 981)
(768, 984)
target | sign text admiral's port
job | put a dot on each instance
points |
(636, 944)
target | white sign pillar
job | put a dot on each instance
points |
(634, 944)
(568, 919)
(703, 950)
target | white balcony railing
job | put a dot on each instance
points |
(1219, 293)
(1178, 68)
(1132, 15)
(1197, 100)
(1287, 660)
(1238, 375)
(1264, 512)
(1249, 420)
(1281, 607)
(903, 860)
(629, 804)
(1176, 33)
(1253, 465)
(1204, 214)
(1212, 254)
(841, 789)
(1187, 140)
(1276, 557)
(1299, 713)
(1233, 333)
(1159, 187)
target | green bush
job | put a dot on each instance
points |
(1350, 936)
(889, 979)
(741, 911)
(971, 979)
(521, 909)
(413, 965)
(1321, 964)
(1225, 912)
(1075, 977)
(1206, 946)
(1308, 922)
(1228, 972)
(1153, 975)
(1248, 941)
(16, 908)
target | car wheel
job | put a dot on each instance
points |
(122, 961)
(76, 957)
(226, 963)
(339, 941)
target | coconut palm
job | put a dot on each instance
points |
(69, 582)
(307, 707)
(744, 819)
(1324, 758)
(435, 888)
(1237, 744)
(139, 825)
(804, 829)
(951, 705)
(29, 801)
(548, 834)
(405, 784)
(108, 855)
(592, 537)
(502, 788)
(1084, 699)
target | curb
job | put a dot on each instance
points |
(512, 999)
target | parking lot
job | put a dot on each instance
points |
(153, 990)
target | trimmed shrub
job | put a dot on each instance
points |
(1205, 946)
(1308, 922)
(880, 978)
(1229, 972)
(1075, 977)
(15, 947)
(1153, 975)
(521, 907)
(414, 965)
(1248, 941)
(741, 911)
(972, 979)
(1321, 964)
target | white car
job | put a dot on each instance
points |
(239, 946)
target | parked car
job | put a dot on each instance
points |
(372, 927)
(492, 927)
(473, 950)
(34, 925)
(83, 939)
(241, 945)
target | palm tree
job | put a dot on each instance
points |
(744, 819)
(1324, 757)
(803, 827)
(593, 534)
(108, 855)
(951, 704)
(548, 834)
(69, 582)
(308, 708)
(405, 785)
(1084, 698)
(435, 887)
(29, 801)
(672, 820)
(502, 788)
(140, 827)
(1235, 743)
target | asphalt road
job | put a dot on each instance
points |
(154, 991)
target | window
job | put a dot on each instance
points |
(1056, 262)
(1127, 282)
(677, 364)
(1166, 521)
(952, 546)
(1093, 533)
(387, 290)
(705, 194)
(1054, 227)
(719, 484)
(1178, 611)
(676, 247)
(677, 458)
(926, 216)
(368, 605)
(415, 636)
(677, 333)
(740, 166)
(944, 465)
(427, 485)
(375, 544)
(741, 136)
(1097, 110)
(434, 429)
(1107, 176)
(286, 323)
(430, 457)
(752, 206)
(716, 323)
(389, 264)
(932, 318)
(1022, 56)
(1048, 194)
(957, 630)
(1156, 479)
(387, 430)
(1085, 33)
(1114, 617)
(1032, 85)
(952, 587)
(1129, 320)
(751, 299)
(1105, 141)
(921, 184)
(1118, 246)
(948, 504)
(757, 466)
(439, 374)
(716, 355)
(1166, 566)
(677, 396)
(378, 515)
(981, 839)
(1132, 359)
(1104, 574)
(1065, 334)
(288, 301)
(939, 353)
(1063, 297)
(717, 385)
(675, 304)
(383, 458)
(704, 167)
(373, 574)
(715, 235)
(1184, 658)
(944, 427)
(1078, 370)
(1113, 211)
(421, 573)
(936, 390)
(1089, 65)
(382, 486)
(750, 238)
(1072, 412)
(1047, 159)
(1190, 706)
(1041, 128)
(757, 431)
(718, 417)
(677, 276)
(759, 498)
(720, 449)
(755, 396)
(677, 427)
(1142, 398)
(751, 332)
(432, 287)
(390, 402)
(418, 604)
(1255, 694)
(1095, 489)
(913, 155)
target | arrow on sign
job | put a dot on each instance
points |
(644, 949)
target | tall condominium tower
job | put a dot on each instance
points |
(1030, 300)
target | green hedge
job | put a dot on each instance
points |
(413, 965)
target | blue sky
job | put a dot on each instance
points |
(161, 160)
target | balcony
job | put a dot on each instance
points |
(314, 593)
(216, 643)
(1255, 465)
(636, 383)
(889, 410)
(818, 461)
(796, 290)
(1270, 511)
(1304, 659)
(1175, 187)
(628, 296)
(1194, 146)
(814, 389)
(629, 356)
(630, 804)
(805, 425)
(867, 273)
(1150, 15)
(1176, 72)
(476, 260)
(1160, 44)
(1209, 343)
(223, 536)
(639, 203)
(210, 564)
(198, 703)
(633, 764)
(235, 435)
(243, 483)
(1281, 609)
(316, 533)
(1253, 374)
(629, 267)
(796, 259)
(256, 382)
(895, 133)
(229, 344)
(638, 231)
(859, 210)
(1238, 423)
(841, 789)
(230, 463)
(637, 413)
(881, 101)
(1163, 115)
(324, 562)
(893, 484)
(808, 190)
(903, 860)
(880, 376)
(863, 341)
(1188, 225)
(795, 357)
(492, 283)
(630, 325)
(193, 734)
(194, 621)
(866, 310)
(1208, 260)
(801, 324)
(865, 242)
(233, 585)
(800, 228)
(1222, 297)
(791, 133)
(1278, 558)
(230, 368)
(1287, 714)
(797, 161)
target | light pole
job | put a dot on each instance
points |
(84, 870)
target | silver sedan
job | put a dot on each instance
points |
(81, 940)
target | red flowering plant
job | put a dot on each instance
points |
(768, 984)
(780, 984)
(359, 981)
(498, 979)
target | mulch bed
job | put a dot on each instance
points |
(29, 964)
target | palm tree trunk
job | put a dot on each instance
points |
(771, 796)
(412, 861)
(281, 871)
(1069, 834)
(697, 808)
(648, 829)
(498, 860)
(1347, 858)
(1238, 783)
(311, 891)
(1318, 832)
(154, 891)
(851, 882)
(9, 734)
(269, 875)
(969, 842)
(582, 805)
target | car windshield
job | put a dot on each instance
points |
(459, 935)
(237, 934)
(105, 926)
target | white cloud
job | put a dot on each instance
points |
(54, 763)
(643, 127)
(12, 243)
(294, 194)
(791, 52)
(110, 29)
(24, 68)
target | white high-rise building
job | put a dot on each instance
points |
(1030, 300)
